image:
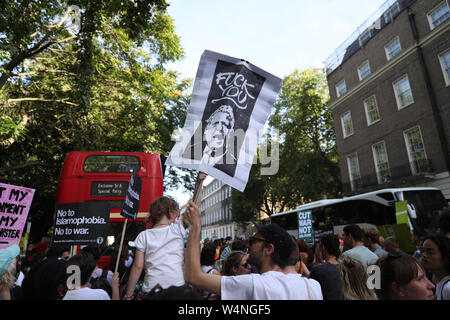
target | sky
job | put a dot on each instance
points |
(277, 36)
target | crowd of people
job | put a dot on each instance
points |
(270, 265)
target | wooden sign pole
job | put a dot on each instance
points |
(121, 244)
(198, 187)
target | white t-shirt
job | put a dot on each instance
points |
(86, 294)
(271, 285)
(163, 250)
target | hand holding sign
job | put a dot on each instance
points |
(130, 207)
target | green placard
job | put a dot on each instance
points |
(401, 232)
(401, 212)
(305, 228)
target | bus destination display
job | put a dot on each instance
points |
(109, 188)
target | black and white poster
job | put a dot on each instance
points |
(230, 104)
(81, 223)
(131, 204)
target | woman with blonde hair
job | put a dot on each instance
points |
(354, 280)
(236, 264)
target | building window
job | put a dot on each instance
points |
(353, 170)
(364, 71)
(416, 150)
(341, 88)
(439, 15)
(347, 124)
(364, 37)
(393, 48)
(392, 12)
(403, 93)
(371, 107)
(445, 65)
(381, 162)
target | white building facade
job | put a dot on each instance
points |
(217, 211)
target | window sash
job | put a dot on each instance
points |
(440, 15)
(381, 162)
(372, 112)
(446, 59)
(364, 37)
(415, 148)
(347, 124)
(353, 169)
(403, 92)
(393, 11)
(341, 88)
(364, 71)
(445, 63)
(393, 48)
(381, 154)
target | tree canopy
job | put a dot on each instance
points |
(84, 75)
(308, 168)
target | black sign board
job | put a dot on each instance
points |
(321, 231)
(84, 223)
(109, 188)
(131, 205)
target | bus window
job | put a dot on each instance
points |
(386, 196)
(287, 221)
(111, 164)
(354, 212)
(427, 204)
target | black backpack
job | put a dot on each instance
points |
(102, 283)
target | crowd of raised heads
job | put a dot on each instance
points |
(159, 264)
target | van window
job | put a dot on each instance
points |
(111, 164)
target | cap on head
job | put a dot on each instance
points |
(281, 240)
(6, 257)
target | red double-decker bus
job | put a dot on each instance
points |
(104, 176)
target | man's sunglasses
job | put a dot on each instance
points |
(253, 240)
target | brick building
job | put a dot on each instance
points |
(389, 86)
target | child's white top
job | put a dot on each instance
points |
(163, 250)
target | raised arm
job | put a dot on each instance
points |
(135, 274)
(201, 176)
(194, 274)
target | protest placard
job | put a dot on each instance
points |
(130, 206)
(15, 204)
(401, 212)
(84, 223)
(230, 104)
(321, 231)
(305, 227)
(401, 232)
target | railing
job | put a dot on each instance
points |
(390, 176)
(375, 22)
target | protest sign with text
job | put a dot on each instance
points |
(15, 204)
(84, 223)
(131, 204)
(305, 227)
(230, 104)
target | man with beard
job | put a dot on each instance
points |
(270, 250)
